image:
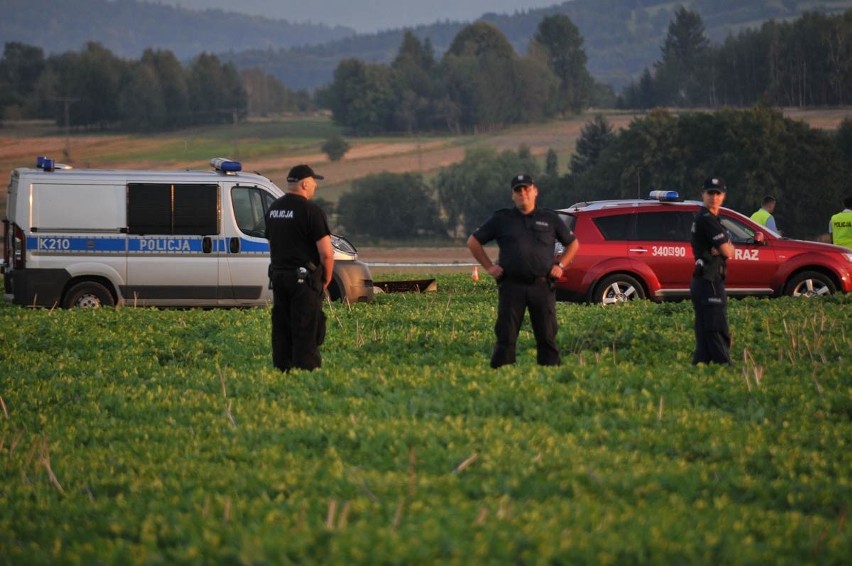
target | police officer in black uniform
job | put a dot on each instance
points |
(302, 261)
(711, 248)
(525, 270)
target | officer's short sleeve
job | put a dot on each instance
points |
(563, 234)
(488, 231)
(713, 230)
(318, 225)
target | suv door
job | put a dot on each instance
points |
(751, 270)
(663, 244)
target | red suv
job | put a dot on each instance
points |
(636, 249)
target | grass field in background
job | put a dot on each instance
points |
(146, 435)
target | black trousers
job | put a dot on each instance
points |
(514, 298)
(298, 323)
(712, 337)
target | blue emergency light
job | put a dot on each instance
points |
(226, 166)
(664, 196)
(45, 163)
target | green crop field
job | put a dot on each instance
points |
(148, 436)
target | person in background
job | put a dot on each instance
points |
(711, 248)
(840, 226)
(525, 270)
(763, 215)
(301, 267)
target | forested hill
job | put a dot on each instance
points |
(128, 27)
(622, 37)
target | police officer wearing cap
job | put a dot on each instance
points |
(302, 262)
(711, 248)
(526, 237)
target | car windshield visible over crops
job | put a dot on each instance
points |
(640, 248)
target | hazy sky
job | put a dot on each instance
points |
(366, 15)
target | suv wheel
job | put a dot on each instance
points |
(618, 288)
(810, 284)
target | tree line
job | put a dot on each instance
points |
(806, 62)
(757, 151)
(94, 89)
(480, 83)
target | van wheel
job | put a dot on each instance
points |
(810, 284)
(88, 295)
(618, 288)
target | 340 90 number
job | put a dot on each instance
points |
(669, 251)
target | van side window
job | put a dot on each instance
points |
(250, 206)
(184, 210)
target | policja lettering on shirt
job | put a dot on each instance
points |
(281, 214)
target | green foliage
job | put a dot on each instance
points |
(472, 190)
(594, 137)
(335, 147)
(390, 206)
(757, 152)
(562, 47)
(805, 62)
(143, 435)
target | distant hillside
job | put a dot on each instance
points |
(128, 27)
(622, 37)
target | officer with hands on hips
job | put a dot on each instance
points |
(711, 248)
(301, 268)
(525, 271)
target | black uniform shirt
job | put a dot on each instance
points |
(707, 233)
(294, 225)
(527, 241)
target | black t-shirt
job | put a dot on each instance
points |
(527, 241)
(707, 233)
(294, 225)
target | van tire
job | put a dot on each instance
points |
(88, 294)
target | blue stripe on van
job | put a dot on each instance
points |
(137, 245)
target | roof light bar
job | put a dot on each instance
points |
(224, 165)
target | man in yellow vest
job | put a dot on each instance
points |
(764, 215)
(840, 226)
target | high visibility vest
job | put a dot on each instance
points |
(841, 229)
(761, 217)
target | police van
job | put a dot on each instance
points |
(87, 238)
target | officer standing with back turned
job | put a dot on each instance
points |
(525, 271)
(301, 266)
(711, 247)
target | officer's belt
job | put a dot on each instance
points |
(533, 281)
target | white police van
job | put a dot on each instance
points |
(86, 238)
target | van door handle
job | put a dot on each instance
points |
(643, 250)
(234, 245)
(206, 244)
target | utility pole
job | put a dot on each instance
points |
(66, 100)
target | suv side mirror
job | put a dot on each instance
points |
(760, 238)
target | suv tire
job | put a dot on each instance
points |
(810, 284)
(617, 288)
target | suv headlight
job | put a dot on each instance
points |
(848, 257)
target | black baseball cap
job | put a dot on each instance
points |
(714, 184)
(300, 172)
(521, 181)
